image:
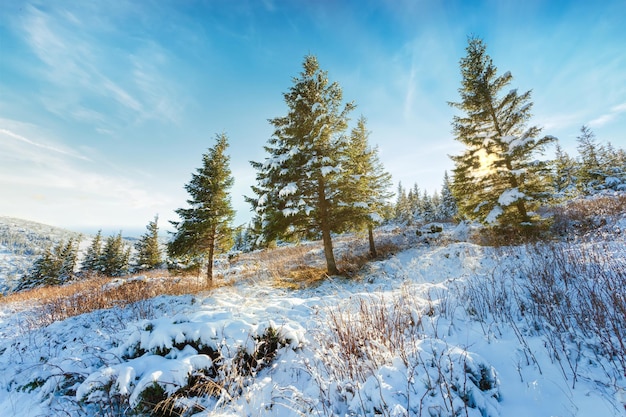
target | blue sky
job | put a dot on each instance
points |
(107, 107)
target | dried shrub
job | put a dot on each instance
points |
(581, 216)
(61, 302)
(578, 295)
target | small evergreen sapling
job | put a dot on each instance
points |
(148, 251)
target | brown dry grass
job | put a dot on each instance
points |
(583, 215)
(300, 277)
(578, 217)
(61, 302)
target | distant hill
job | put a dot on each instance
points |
(21, 242)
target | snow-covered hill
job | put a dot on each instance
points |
(435, 330)
(21, 241)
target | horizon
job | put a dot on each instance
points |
(106, 110)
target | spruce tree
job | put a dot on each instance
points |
(497, 179)
(564, 174)
(591, 173)
(92, 261)
(415, 211)
(428, 208)
(68, 260)
(148, 251)
(366, 183)
(298, 191)
(403, 213)
(54, 267)
(447, 206)
(205, 228)
(115, 256)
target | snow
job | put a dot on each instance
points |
(290, 211)
(510, 196)
(446, 356)
(288, 190)
(493, 215)
(329, 169)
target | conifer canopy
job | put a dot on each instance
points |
(498, 179)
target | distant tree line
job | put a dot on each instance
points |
(109, 257)
(597, 168)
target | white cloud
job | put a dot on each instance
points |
(39, 174)
(11, 135)
(608, 117)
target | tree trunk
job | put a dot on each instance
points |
(370, 235)
(209, 267)
(325, 226)
(328, 252)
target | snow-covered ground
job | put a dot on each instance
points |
(404, 338)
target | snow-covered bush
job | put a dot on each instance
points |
(177, 360)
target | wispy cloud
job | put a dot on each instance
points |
(88, 74)
(41, 146)
(613, 113)
(66, 178)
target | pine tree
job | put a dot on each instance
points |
(447, 207)
(115, 257)
(299, 193)
(54, 267)
(205, 228)
(497, 179)
(92, 261)
(415, 211)
(367, 184)
(68, 260)
(564, 172)
(148, 250)
(427, 208)
(403, 213)
(590, 173)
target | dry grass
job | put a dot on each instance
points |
(579, 217)
(577, 295)
(60, 302)
(302, 266)
(300, 278)
(570, 295)
(583, 215)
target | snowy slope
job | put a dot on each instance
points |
(21, 241)
(336, 353)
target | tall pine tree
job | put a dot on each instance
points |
(366, 182)
(299, 193)
(205, 228)
(497, 179)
